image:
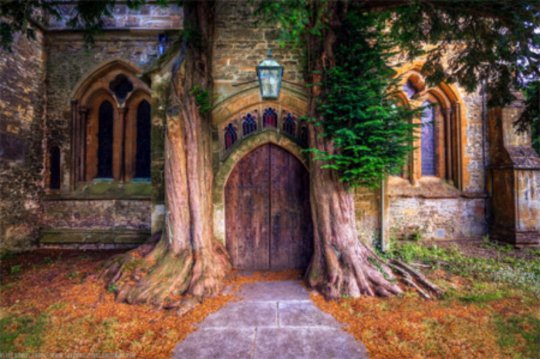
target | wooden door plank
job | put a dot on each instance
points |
(291, 239)
(247, 211)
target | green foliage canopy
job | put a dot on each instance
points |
(361, 114)
(493, 43)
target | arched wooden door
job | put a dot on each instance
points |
(268, 217)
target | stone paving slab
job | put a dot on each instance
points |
(307, 343)
(217, 343)
(274, 291)
(273, 320)
(243, 315)
(303, 314)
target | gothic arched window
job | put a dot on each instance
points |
(289, 124)
(428, 141)
(230, 135)
(249, 124)
(111, 128)
(54, 165)
(270, 118)
(439, 143)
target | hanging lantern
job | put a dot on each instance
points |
(269, 72)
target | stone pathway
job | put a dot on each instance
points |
(274, 320)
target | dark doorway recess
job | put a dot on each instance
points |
(267, 212)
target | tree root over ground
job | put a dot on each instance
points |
(359, 271)
(154, 274)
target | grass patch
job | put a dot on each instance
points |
(505, 268)
(519, 331)
(24, 330)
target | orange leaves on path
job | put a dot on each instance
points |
(411, 327)
(82, 315)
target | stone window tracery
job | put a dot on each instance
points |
(289, 124)
(111, 128)
(438, 144)
(230, 135)
(249, 124)
(270, 118)
(261, 119)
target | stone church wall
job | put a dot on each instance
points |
(94, 216)
(430, 210)
(89, 218)
(242, 40)
(22, 79)
(436, 210)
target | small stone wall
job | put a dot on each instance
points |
(95, 222)
(437, 218)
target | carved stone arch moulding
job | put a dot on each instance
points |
(256, 119)
(116, 82)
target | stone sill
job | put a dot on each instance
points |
(63, 236)
(428, 188)
(105, 190)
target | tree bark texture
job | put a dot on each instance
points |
(341, 265)
(186, 259)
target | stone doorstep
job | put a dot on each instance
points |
(274, 291)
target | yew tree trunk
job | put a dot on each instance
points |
(341, 264)
(186, 258)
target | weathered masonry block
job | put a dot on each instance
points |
(514, 181)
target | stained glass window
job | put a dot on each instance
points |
(409, 89)
(230, 135)
(428, 141)
(270, 117)
(249, 124)
(289, 124)
(142, 159)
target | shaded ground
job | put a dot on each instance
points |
(270, 320)
(52, 303)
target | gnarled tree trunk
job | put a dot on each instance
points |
(341, 265)
(186, 258)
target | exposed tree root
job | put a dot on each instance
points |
(152, 273)
(358, 271)
(351, 272)
(421, 283)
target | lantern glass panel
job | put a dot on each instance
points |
(270, 81)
